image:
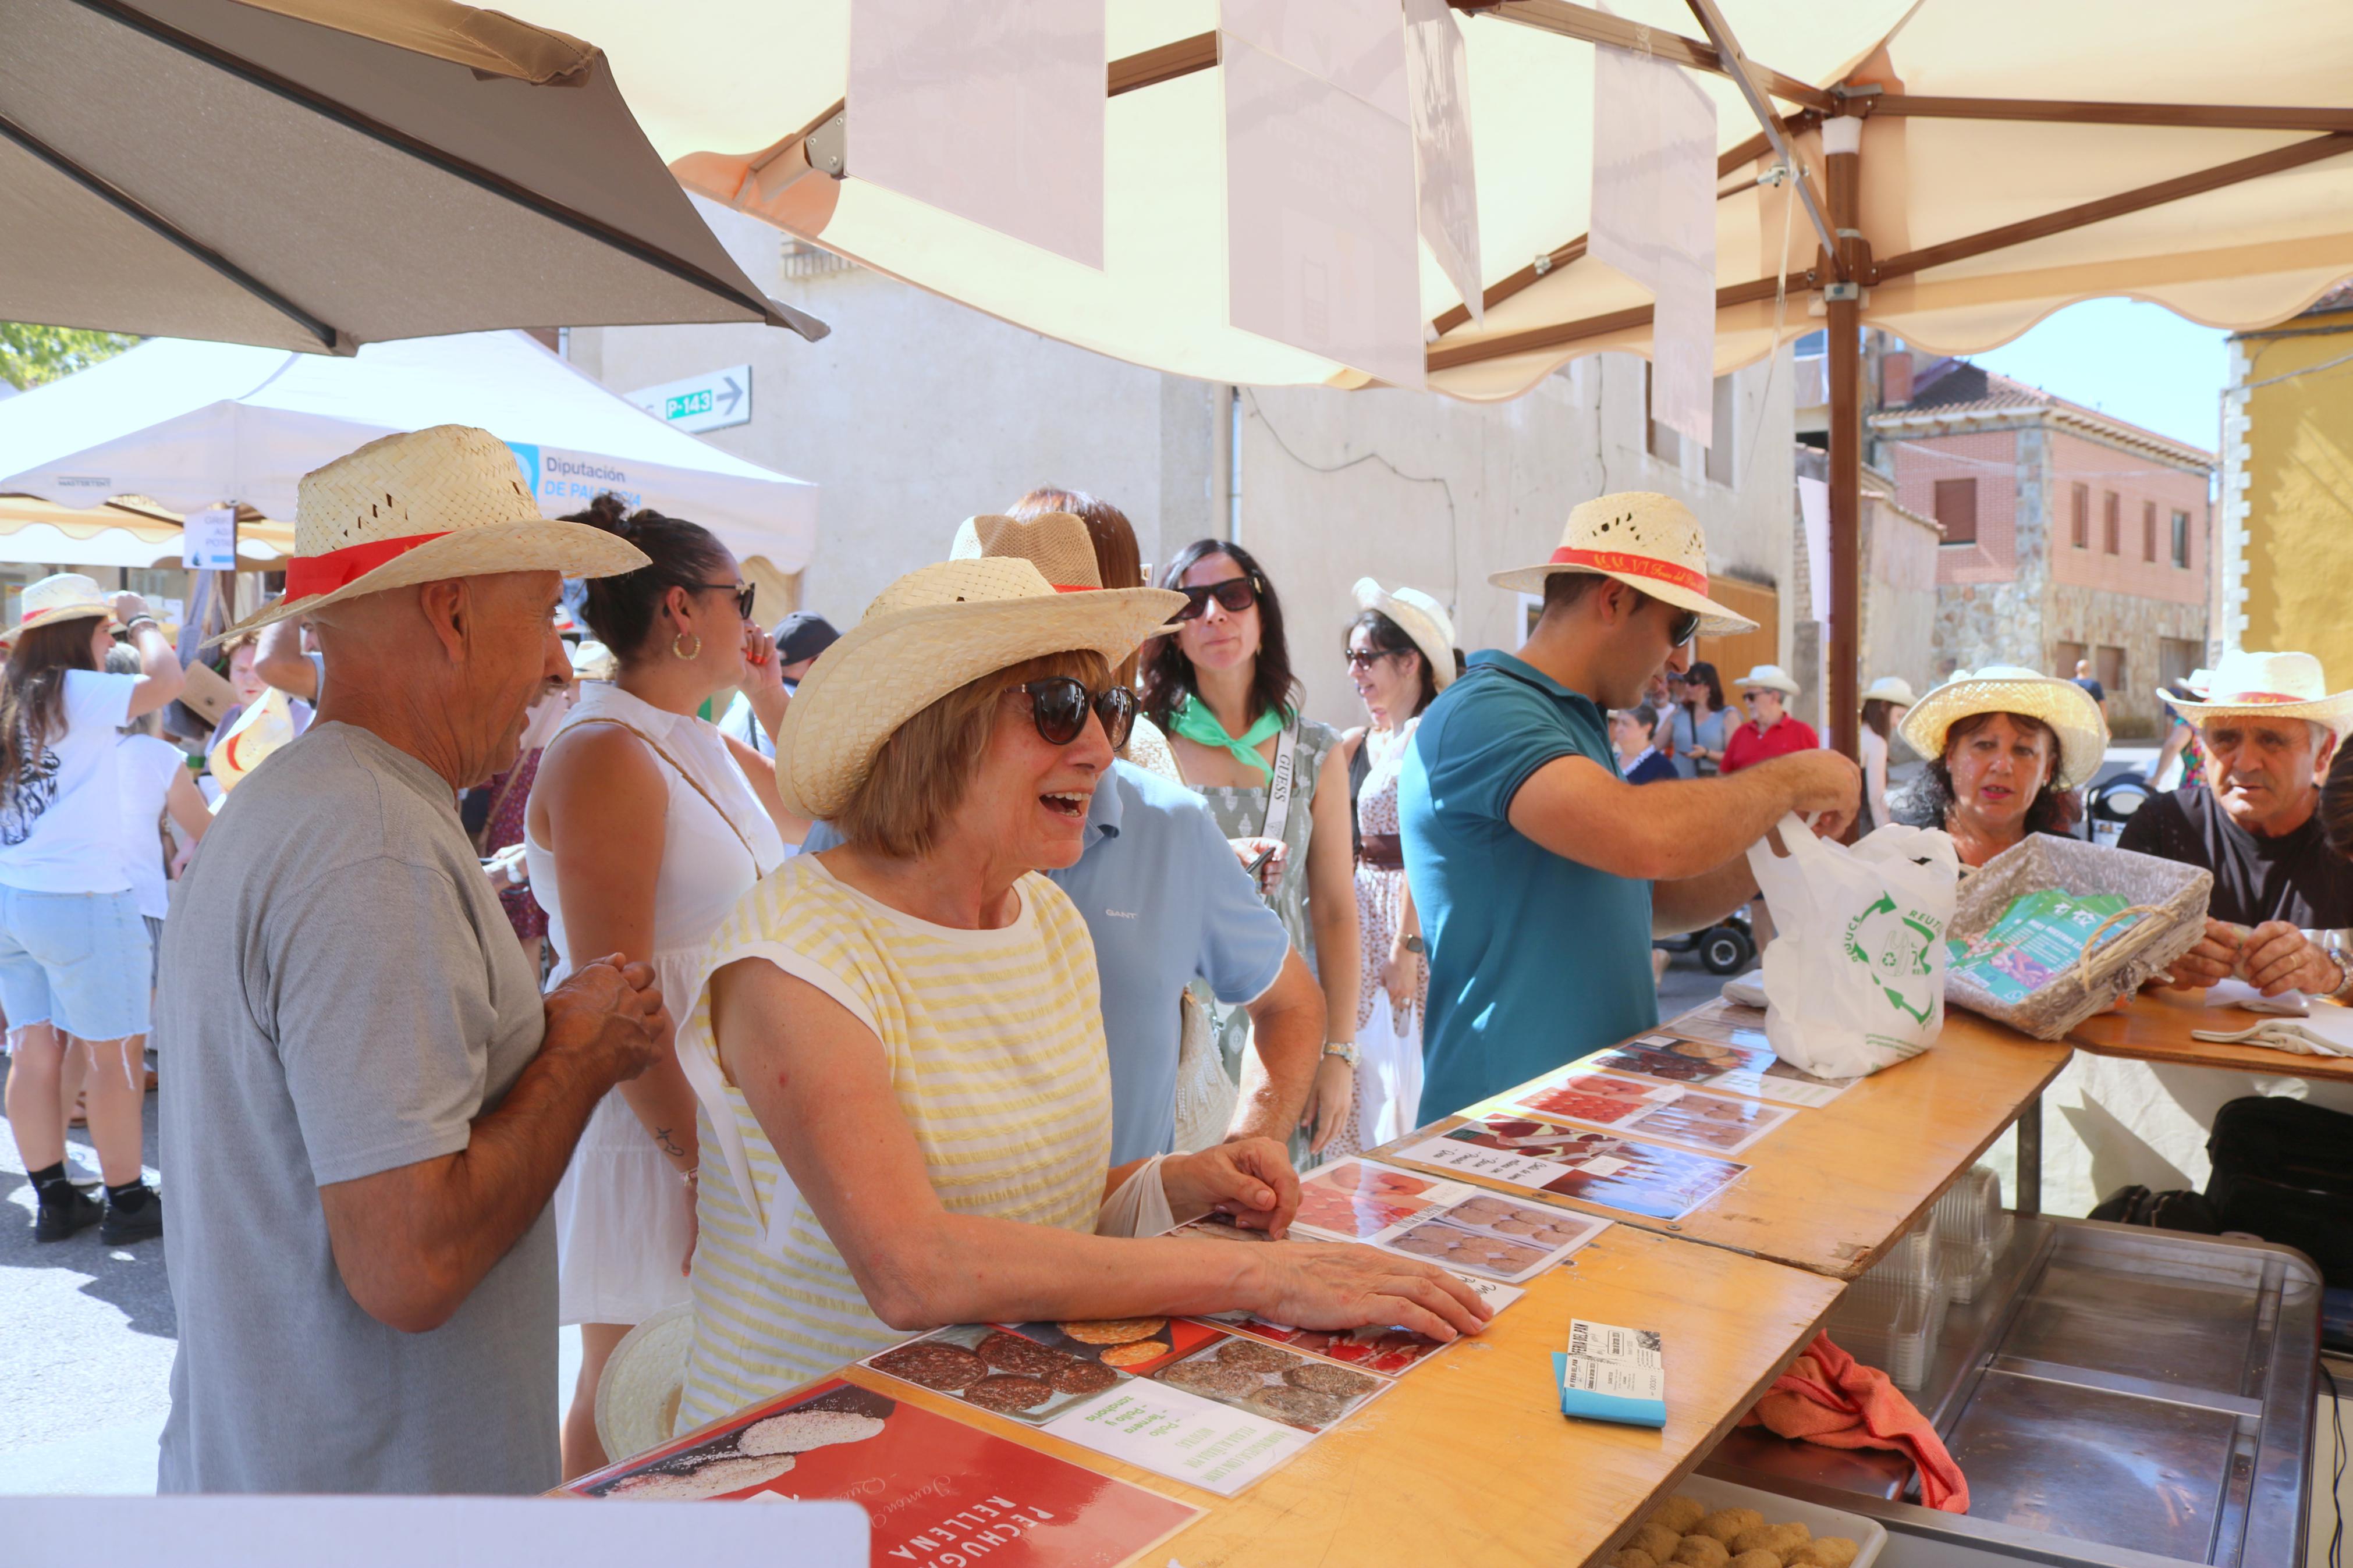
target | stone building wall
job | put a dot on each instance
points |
(2099, 618)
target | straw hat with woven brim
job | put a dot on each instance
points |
(2066, 707)
(637, 1396)
(1419, 616)
(444, 502)
(1643, 539)
(1056, 542)
(925, 636)
(65, 596)
(2255, 686)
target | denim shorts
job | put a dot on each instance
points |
(79, 961)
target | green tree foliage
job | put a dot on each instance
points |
(30, 355)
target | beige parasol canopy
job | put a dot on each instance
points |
(316, 175)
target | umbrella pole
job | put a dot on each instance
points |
(1843, 303)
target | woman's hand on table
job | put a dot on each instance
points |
(1248, 1178)
(1333, 1284)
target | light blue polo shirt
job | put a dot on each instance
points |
(1165, 900)
(1535, 958)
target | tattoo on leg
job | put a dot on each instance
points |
(669, 1146)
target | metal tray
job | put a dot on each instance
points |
(2117, 1395)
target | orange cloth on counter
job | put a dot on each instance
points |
(1831, 1398)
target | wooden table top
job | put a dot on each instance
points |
(2155, 1027)
(1469, 1454)
(1832, 1188)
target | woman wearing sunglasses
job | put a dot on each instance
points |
(644, 826)
(897, 1039)
(1277, 783)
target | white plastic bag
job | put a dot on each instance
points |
(266, 726)
(1854, 979)
(1206, 1097)
(1389, 1076)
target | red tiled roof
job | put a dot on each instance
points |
(1958, 387)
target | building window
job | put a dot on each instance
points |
(1662, 442)
(2081, 519)
(2065, 657)
(2108, 664)
(2112, 522)
(1726, 416)
(2181, 539)
(2148, 531)
(1957, 510)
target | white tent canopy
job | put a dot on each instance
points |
(194, 425)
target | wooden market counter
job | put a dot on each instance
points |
(2154, 1025)
(1469, 1458)
(1832, 1189)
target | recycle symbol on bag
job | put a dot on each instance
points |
(1896, 946)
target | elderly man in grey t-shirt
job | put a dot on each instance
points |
(371, 1103)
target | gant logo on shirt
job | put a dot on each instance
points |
(1121, 914)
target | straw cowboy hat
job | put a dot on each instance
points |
(1419, 616)
(925, 635)
(1767, 677)
(2246, 685)
(66, 596)
(2066, 707)
(416, 508)
(1643, 539)
(1056, 542)
(1890, 688)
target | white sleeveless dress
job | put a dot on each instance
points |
(622, 1215)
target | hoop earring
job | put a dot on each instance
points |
(686, 653)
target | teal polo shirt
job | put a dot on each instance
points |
(1535, 958)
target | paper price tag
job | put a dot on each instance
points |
(1613, 1373)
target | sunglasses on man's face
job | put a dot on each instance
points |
(1059, 706)
(1683, 628)
(745, 593)
(1235, 594)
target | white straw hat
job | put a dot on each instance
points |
(1890, 688)
(65, 597)
(637, 1396)
(1419, 616)
(2263, 686)
(1766, 678)
(1643, 539)
(2066, 707)
(1056, 542)
(925, 636)
(444, 502)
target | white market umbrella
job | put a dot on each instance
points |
(315, 175)
(194, 425)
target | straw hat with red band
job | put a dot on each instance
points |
(65, 596)
(444, 502)
(1645, 540)
(2268, 686)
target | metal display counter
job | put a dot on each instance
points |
(2119, 1396)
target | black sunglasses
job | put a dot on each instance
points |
(1685, 627)
(1365, 657)
(1236, 594)
(745, 593)
(1059, 706)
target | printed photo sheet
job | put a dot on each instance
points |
(1602, 1168)
(1452, 1224)
(1719, 1123)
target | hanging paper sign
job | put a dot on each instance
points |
(1438, 94)
(1654, 219)
(208, 540)
(994, 114)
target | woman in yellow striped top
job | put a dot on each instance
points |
(898, 1043)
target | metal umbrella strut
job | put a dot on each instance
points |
(1962, 168)
(316, 175)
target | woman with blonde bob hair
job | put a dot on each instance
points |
(898, 1042)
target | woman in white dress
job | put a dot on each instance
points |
(646, 825)
(1401, 656)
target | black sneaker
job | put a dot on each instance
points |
(137, 1224)
(59, 1217)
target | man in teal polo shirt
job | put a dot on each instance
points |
(1541, 876)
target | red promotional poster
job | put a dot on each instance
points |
(938, 1493)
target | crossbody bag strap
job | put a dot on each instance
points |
(690, 782)
(498, 802)
(1279, 787)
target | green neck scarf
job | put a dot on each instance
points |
(1198, 725)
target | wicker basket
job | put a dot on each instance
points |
(2170, 897)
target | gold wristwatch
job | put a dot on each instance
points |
(1345, 1049)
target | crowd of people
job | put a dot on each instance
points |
(826, 986)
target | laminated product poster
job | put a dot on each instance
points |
(1719, 1123)
(1597, 1167)
(1452, 1223)
(936, 1491)
(1731, 1067)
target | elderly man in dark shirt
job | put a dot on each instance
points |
(2282, 899)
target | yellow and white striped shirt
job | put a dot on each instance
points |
(995, 1045)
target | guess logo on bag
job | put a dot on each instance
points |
(1897, 946)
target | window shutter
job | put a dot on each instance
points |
(2083, 517)
(1957, 510)
(2148, 531)
(2112, 522)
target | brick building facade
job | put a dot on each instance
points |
(2068, 534)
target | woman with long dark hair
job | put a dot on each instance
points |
(74, 955)
(1710, 726)
(2007, 749)
(1885, 702)
(1401, 656)
(1277, 784)
(644, 826)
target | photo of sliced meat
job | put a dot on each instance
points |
(1083, 1377)
(1010, 1391)
(799, 1431)
(933, 1364)
(1011, 1353)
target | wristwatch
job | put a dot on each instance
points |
(1345, 1049)
(1414, 943)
